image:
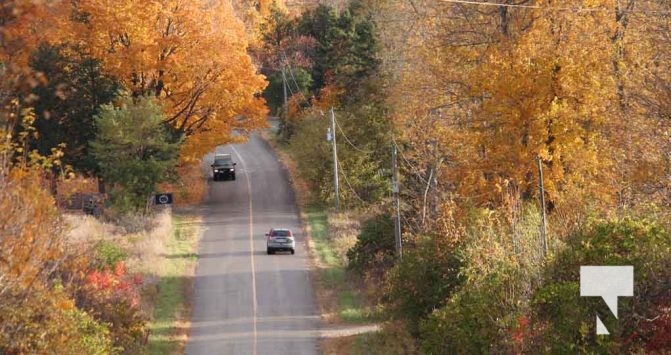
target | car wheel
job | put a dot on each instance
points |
(269, 251)
(214, 177)
(233, 176)
(292, 251)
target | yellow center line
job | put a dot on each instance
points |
(251, 248)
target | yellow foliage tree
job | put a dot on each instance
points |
(37, 315)
(485, 90)
(189, 53)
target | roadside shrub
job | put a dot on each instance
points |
(654, 335)
(375, 246)
(423, 281)
(314, 164)
(112, 297)
(476, 318)
(393, 339)
(45, 321)
(567, 318)
(95, 337)
(108, 253)
(502, 268)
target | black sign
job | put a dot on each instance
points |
(163, 199)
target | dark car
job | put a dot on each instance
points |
(223, 167)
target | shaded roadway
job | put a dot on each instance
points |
(244, 301)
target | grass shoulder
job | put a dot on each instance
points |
(172, 307)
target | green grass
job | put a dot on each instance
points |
(171, 300)
(334, 275)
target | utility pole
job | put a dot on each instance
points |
(543, 217)
(284, 86)
(397, 202)
(335, 161)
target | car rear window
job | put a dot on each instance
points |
(280, 233)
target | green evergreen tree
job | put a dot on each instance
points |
(347, 45)
(134, 151)
(70, 96)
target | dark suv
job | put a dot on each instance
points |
(223, 167)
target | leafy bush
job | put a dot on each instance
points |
(567, 318)
(108, 253)
(113, 297)
(475, 318)
(654, 335)
(95, 337)
(394, 339)
(45, 321)
(375, 246)
(423, 281)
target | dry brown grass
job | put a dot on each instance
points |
(149, 248)
(85, 229)
(146, 247)
(344, 228)
(337, 346)
(178, 262)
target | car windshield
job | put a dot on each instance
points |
(223, 161)
(280, 233)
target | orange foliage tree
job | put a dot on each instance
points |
(483, 91)
(190, 54)
(37, 314)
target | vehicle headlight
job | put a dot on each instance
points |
(216, 171)
(232, 169)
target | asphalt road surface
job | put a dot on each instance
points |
(247, 302)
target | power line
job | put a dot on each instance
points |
(335, 162)
(293, 78)
(529, 7)
(285, 80)
(406, 161)
(553, 8)
(342, 171)
(298, 88)
(348, 141)
(467, 2)
(397, 202)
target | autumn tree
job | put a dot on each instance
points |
(38, 310)
(345, 79)
(191, 55)
(480, 92)
(37, 315)
(285, 57)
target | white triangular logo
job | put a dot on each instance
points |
(600, 328)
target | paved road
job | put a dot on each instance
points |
(247, 302)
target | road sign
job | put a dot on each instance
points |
(163, 199)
